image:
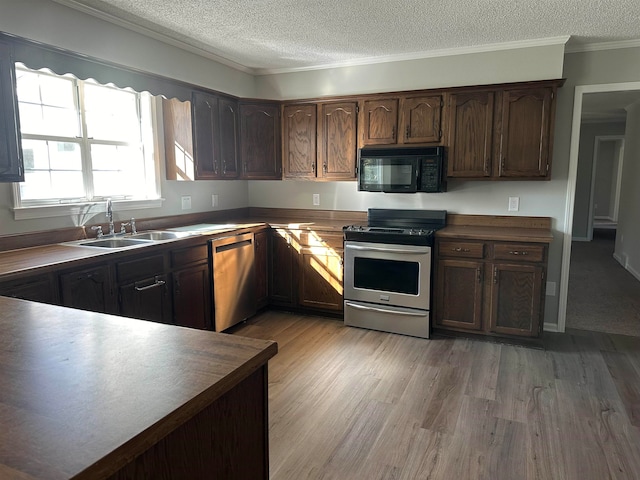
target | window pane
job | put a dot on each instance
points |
(111, 114)
(42, 185)
(117, 171)
(47, 105)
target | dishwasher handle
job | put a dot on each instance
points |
(232, 246)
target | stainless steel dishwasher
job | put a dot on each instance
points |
(233, 279)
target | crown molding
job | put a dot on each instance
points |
(595, 47)
(147, 32)
(446, 52)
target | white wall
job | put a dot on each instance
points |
(603, 191)
(514, 65)
(627, 249)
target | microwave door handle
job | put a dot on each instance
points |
(385, 250)
(383, 310)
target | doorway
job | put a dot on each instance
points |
(606, 181)
(610, 207)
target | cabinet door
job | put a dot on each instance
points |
(11, 161)
(261, 255)
(192, 297)
(516, 299)
(88, 289)
(205, 128)
(260, 141)
(147, 299)
(459, 294)
(39, 288)
(299, 140)
(178, 139)
(281, 268)
(320, 282)
(337, 147)
(228, 140)
(524, 133)
(420, 119)
(380, 121)
(470, 134)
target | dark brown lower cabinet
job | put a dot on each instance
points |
(88, 289)
(281, 268)
(459, 294)
(147, 299)
(320, 283)
(261, 256)
(493, 288)
(191, 297)
(38, 288)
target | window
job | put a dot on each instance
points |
(83, 142)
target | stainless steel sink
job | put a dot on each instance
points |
(114, 242)
(160, 235)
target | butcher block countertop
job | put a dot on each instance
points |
(82, 394)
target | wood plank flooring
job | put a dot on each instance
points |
(348, 403)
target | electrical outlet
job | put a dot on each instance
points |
(186, 202)
(316, 199)
(214, 200)
(514, 204)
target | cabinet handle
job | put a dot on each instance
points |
(407, 132)
(313, 167)
(479, 275)
(502, 164)
(393, 132)
(459, 249)
(486, 167)
(157, 283)
(515, 252)
(324, 168)
(495, 274)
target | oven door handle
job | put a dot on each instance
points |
(385, 250)
(383, 310)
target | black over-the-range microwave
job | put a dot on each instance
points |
(402, 170)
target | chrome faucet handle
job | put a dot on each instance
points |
(99, 231)
(133, 226)
(123, 229)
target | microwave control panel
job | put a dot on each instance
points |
(430, 175)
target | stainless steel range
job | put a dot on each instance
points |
(387, 270)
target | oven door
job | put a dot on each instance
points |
(387, 274)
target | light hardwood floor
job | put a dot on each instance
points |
(348, 403)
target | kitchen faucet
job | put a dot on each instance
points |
(112, 228)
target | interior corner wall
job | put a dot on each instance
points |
(627, 249)
(588, 133)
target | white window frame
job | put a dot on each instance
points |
(84, 209)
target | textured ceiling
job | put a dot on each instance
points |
(267, 35)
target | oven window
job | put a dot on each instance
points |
(386, 275)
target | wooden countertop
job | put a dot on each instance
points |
(507, 234)
(85, 392)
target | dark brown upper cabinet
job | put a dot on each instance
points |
(178, 139)
(337, 140)
(11, 160)
(523, 132)
(410, 119)
(420, 119)
(299, 131)
(380, 121)
(470, 134)
(260, 141)
(215, 134)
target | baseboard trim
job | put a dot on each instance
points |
(580, 239)
(634, 273)
(550, 327)
(628, 268)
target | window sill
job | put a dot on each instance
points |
(82, 211)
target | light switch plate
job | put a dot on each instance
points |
(316, 199)
(214, 200)
(514, 204)
(186, 202)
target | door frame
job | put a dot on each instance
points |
(580, 90)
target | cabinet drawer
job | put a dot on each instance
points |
(519, 251)
(461, 249)
(321, 239)
(184, 256)
(140, 269)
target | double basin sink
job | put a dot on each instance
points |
(154, 236)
